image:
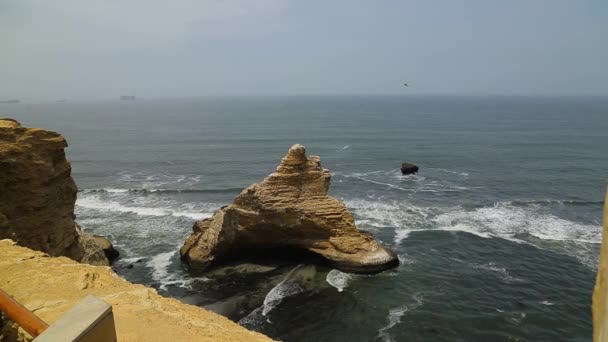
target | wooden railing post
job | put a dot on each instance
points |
(21, 315)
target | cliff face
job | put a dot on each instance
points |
(51, 286)
(289, 210)
(600, 293)
(37, 194)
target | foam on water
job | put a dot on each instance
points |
(154, 181)
(395, 315)
(521, 224)
(293, 283)
(501, 272)
(507, 221)
(94, 202)
(160, 264)
(338, 279)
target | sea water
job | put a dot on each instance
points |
(498, 235)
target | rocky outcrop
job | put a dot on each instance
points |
(37, 194)
(288, 211)
(51, 286)
(409, 168)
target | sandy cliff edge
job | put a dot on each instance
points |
(600, 292)
(50, 286)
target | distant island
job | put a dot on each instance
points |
(127, 98)
(9, 101)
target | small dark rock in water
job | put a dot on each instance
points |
(409, 168)
(130, 266)
(140, 260)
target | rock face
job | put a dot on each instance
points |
(409, 168)
(37, 194)
(289, 211)
(600, 292)
(51, 286)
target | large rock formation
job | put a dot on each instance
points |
(600, 293)
(37, 195)
(291, 211)
(51, 286)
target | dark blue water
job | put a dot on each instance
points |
(498, 235)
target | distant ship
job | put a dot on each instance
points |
(127, 98)
(62, 100)
(9, 101)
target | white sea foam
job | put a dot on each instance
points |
(160, 264)
(338, 279)
(395, 315)
(528, 224)
(507, 221)
(459, 173)
(154, 181)
(546, 302)
(297, 280)
(501, 272)
(94, 202)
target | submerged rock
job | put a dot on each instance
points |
(288, 212)
(108, 249)
(409, 168)
(37, 195)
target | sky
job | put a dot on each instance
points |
(98, 49)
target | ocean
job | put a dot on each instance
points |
(498, 235)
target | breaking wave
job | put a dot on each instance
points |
(160, 191)
(395, 315)
(160, 264)
(114, 206)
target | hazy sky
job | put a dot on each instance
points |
(86, 49)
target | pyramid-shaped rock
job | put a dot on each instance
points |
(288, 211)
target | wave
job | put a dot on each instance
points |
(531, 224)
(501, 272)
(338, 279)
(296, 281)
(160, 264)
(152, 181)
(395, 315)
(504, 220)
(556, 202)
(168, 191)
(113, 206)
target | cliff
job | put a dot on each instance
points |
(37, 195)
(288, 211)
(600, 293)
(51, 286)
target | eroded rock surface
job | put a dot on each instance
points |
(288, 211)
(37, 195)
(49, 287)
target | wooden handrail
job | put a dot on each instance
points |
(21, 315)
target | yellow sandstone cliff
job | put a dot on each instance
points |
(51, 286)
(289, 210)
(37, 195)
(600, 293)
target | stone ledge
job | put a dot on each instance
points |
(50, 286)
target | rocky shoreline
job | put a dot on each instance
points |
(51, 286)
(288, 215)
